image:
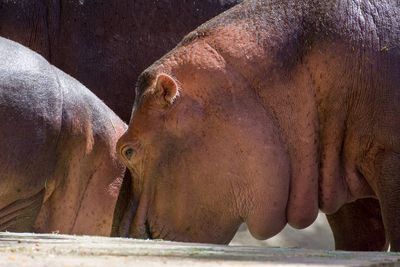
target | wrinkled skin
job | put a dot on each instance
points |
(105, 44)
(58, 158)
(266, 114)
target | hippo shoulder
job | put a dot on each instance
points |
(84, 112)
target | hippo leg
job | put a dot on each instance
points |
(20, 215)
(387, 166)
(358, 226)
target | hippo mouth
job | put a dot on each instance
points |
(155, 232)
(126, 227)
(147, 231)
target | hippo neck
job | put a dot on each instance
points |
(273, 63)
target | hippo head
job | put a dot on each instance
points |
(204, 155)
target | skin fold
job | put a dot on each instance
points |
(60, 172)
(105, 44)
(265, 115)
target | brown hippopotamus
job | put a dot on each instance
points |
(105, 44)
(59, 168)
(266, 114)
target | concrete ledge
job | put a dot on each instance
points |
(24, 249)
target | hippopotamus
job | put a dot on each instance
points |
(59, 168)
(266, 114)
(105, 44)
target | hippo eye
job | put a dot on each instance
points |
(128, 153)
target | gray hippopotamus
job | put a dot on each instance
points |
(266, 114)
(105, 44)
(59, 168)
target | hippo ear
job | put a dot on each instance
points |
(167, 88)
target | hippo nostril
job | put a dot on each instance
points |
(128, 153)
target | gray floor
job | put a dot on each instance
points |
(63, 250)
